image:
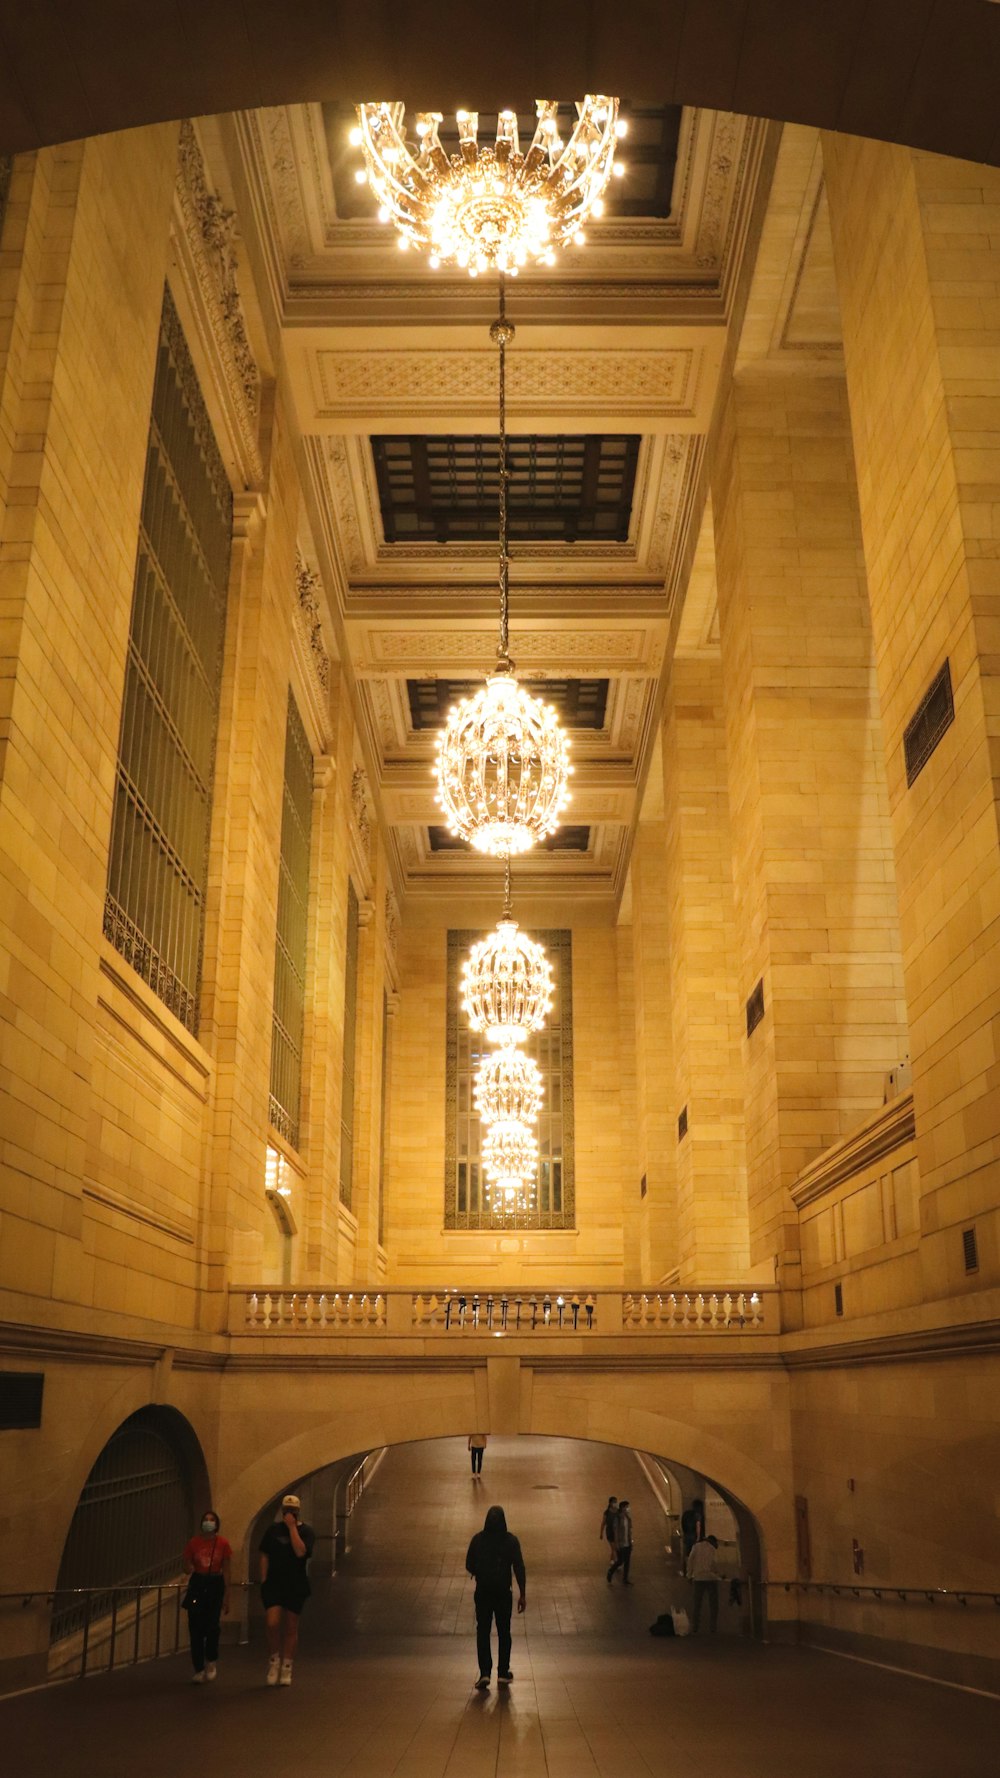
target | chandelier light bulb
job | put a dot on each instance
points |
(508, 1086)
(487, 203)
(502, 768)
(506, 986)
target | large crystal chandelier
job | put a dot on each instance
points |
(510, 1163)
(490, 206)
(503, 761)
(506, 984)
(508, 1087)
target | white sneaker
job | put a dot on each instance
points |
(273, 1669)
(198, 1678)
(211, 1671)
(285, 1677)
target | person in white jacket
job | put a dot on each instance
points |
(702, 1572)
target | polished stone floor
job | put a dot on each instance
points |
(383, 1686)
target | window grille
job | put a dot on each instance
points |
(466, 1204)
(288, 1016)
(132, 1520)
(350, 1046)
(155, 907)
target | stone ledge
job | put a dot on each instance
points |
(887, 1129)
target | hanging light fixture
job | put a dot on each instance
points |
(508, 1088)
(510, 1163)
(503, 761)
(490, 207)
(506, 982)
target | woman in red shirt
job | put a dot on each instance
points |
(207, 1561)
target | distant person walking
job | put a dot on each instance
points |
(477, 1445)
(702, 1572)
(692, 1525)
(492, 1556)
(622, 1544)
(285, 1549)
(608, 1518)
(207, 1560)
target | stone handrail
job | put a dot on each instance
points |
(450, 1310)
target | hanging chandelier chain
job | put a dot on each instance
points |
(502, 337)
(507, 910)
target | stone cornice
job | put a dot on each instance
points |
(888, 1129)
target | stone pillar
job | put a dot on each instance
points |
(84, 252)
(244, 858)
(812, 855)
(713, 1241)
(632, 1205)
(917, 254)
(368, 1074)
(656, 1115)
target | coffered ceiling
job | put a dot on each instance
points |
(612, 380)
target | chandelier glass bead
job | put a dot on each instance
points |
(510, 1164)
(508, 1087)
(506, 986)
(502, 768)
(490, 206)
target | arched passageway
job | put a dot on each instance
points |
(382, 1683)
(927, 74)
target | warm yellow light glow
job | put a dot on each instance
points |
(507, 986)
(510, 1164)
(502, 768)
(490, 206)
(508, 1087)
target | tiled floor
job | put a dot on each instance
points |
(383, 1685)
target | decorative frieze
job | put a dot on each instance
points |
(361, 807)
(307, 583)
(210, 233)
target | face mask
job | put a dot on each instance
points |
(209, 1528)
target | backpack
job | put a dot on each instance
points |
(664, 1626)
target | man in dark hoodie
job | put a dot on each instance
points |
(492, 1556)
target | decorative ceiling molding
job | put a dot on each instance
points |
(308, 586)
(352, 383)
(581, 654)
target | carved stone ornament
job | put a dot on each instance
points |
(391, 923)
(307, 584)
(211, 232)
(361, 808)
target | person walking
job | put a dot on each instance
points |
(477, 1445)
(207, 1561)
(702, 1572)
(285, 1549)
(491, 1557)
(607, 1531)
(622, 1544)
(692, 1526)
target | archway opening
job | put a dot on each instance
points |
(407, 1535)
(132, 1520)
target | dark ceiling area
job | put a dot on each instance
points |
(649, 149)
(445, 489)
(924, 72)
(565, 839)
(580, 703)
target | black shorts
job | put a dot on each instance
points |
(272, 1596)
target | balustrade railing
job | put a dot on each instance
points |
(451, 1310)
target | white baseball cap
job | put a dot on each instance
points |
(293, 1501)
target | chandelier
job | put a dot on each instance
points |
(508, 1088)
(490, 206)
(510, 1163)
(502, 759)
(506, 983)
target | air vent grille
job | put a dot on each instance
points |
(838, 1298)
(682, 1125)
(755, 1008)
(970, 1250)
(642, 1186)
(934, 714)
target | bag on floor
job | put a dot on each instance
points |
(682, 1623)
(664, 1625)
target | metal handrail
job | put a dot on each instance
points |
(115, 1619)
(889, 1592)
